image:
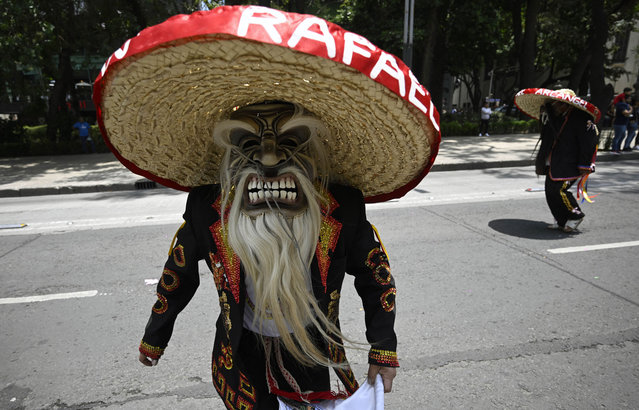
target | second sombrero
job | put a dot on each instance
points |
(530, 101)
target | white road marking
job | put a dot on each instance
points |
(426, 199)
(594, 247)
(44, 298)
(66, 226)
(12, 226)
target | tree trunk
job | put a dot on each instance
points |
(433, 62)
(599, 37)
(59, 116)
(578, 69)
(529, 45)
(473, 84)
(515, 11)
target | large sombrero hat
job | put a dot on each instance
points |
(530, 101)
(159, 96)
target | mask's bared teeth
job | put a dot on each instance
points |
(282, 189)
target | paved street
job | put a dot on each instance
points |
(494, 310)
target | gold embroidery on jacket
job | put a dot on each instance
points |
(388, 299)
(161, 305)
(178, 256)
(228, 258)
(329, 234)
(333, 307)
(172, 283)
(225, 310)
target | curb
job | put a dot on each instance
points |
(144, 184)
(602, 157)
(8, 193)
(481, 165)
(62, 190)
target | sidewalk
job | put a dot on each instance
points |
(70, 174)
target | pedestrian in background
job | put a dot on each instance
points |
(632, 125)
(83, 128)
(484, 119)
(620, 123)
(627, 92)
(569, 139)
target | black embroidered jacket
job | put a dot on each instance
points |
(347, 243)
(569, 142)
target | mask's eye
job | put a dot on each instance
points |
(294, 137)
(243, 139)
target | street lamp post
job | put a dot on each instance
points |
(409, 14)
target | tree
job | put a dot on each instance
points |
(574, 42)
(523, 43)
(601, 19)
(46, 34)
(22, 44)
(460, 38)
(528, 44)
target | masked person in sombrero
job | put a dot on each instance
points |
(569, 139)
(281, 126)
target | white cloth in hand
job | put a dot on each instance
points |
(367, 397)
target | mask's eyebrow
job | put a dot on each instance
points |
(299, 121)
(223, 130)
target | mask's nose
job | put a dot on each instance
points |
(269, 155)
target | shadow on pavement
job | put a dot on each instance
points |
(523, 228)
(75, 168)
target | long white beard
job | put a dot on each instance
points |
(276, 253)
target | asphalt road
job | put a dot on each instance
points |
(494, 310)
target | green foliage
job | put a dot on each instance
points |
(33, 141)
(451, 127)
(10, 132)
(469, 38)
(380, 21)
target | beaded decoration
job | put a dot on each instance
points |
(161, 305)
(225, 391)
(228, 258)
(333, 307)
(246, 388)
(337, 355)
(178, 256)
(153, 352)
(173, 283)
(378, 262)
(225, 311)
(388, 305)
(242, 404)
(217, 269)
(386, 357)
(229, 397)
(219, 381)
(328, 236)
(226, 358)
